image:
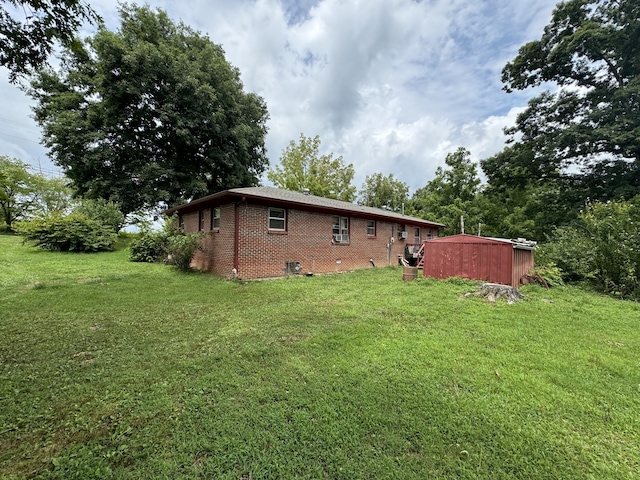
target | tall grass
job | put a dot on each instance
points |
(112, 369)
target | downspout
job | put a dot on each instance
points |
(390, 244)
(236, 237)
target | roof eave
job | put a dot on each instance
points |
(196, 202)
(305, 206)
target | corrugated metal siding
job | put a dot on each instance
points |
(476, 261)
(476, 258)
(522, 263)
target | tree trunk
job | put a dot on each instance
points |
(496, 291)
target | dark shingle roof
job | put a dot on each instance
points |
(304, 200)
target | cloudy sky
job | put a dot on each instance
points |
(390, 85)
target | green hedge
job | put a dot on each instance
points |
(71, 233)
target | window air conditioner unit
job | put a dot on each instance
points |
(344, 238)
(293, 268)
(403, 235)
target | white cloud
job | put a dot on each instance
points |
(391, 85)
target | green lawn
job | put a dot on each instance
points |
(112, 369)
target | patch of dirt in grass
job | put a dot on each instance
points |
(458, 389)
(84, 357)
(199, 460)
(89, 280)
(292, 338)
(43, 285)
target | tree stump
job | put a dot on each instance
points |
(496, 291)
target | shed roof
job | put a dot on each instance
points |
(279, 196)
(519, 243)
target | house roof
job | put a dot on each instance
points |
(280, 197)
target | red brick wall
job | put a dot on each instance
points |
(190, 221)
(218, 245)
(308, 239)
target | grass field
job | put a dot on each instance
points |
(112, 369)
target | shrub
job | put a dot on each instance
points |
(571, 251)
(148, 246)
(548, 275)
(613, 228)
(603, 248)
(181, 249)
(170, 243)
(71, 233)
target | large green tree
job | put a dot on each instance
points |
(152, 113)
(30, 29)
(24, 194)
(54, 196)
(528, 197)
(17, 190)
(453, 193)
(302, 167)
(587, 131)
(380, 191)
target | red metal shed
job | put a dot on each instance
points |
(495, 260)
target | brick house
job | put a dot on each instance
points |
(265, 232)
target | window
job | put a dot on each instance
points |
(341, 229)
(371, 228)
(201, 220)
(277, 219)
(215, 218)
(416, 235)
(181, 221)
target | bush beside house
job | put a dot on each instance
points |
(170, 245)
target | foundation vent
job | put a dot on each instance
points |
(292, 268)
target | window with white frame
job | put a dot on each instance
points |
(277, 219)
(416, 235)
(215, 218)
(371, 228)
(181, 221)
(201, 220)
(341, 229)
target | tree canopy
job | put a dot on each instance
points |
(24, 194)
(16, 190)
(579, 141)
(152, 113)
(302, 166)
(588, 130)
(453, 193)
(380, 191)
(29, 30)
(54, 196)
